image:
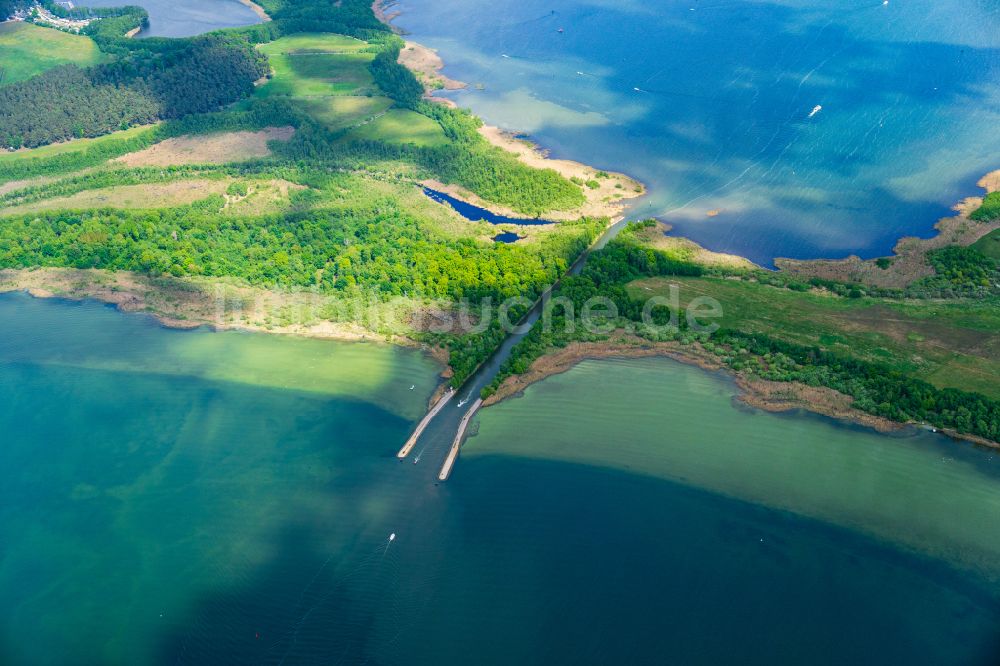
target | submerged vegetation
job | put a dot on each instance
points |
(349, 220)
(335, 207)
(912, 361)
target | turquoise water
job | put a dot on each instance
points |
(203, 498)
(709, 103)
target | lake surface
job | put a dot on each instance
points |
(710, 102)
(202, 498)
(477, 214)
(186, 18)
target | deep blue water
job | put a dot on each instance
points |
(507, 237)
(708, 102)
(477, 214)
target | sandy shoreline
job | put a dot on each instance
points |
(909, 261)
(608, 199)
(188, 304)
(427, 64)
(764, 394)
(257, 9)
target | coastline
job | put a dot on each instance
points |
(909, 262)
(189, 304)
(427, 64)
(765, 394)
(257, 9)
(770, 396)
(186, 304)
(608, 199)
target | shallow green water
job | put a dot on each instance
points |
(198, 498)
(674, 422)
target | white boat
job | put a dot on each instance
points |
(816, 109)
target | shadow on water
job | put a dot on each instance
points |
(710, 107)
(536, 562)
(298, 608)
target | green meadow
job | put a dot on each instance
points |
(953, 343)
(989, 245)
(27, 50)
(74, 146)
(342, 112)
(402, 126)
(329, 76)
(318, 66)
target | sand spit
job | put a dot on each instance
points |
(909, 263)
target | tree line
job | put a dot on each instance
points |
(372, 248)
(260, 114)
(876, 388)
(68, 102)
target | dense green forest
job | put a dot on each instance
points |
(964, 267)
(371, 244)
(990, 210)
(74, 158)
(372, 249)
(68, 102)
(375, 248)
(876, 388)
(153, 79)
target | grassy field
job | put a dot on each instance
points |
(402, 126)
(329, 76)
(947, 343)
(70, 146)
(27, 50)
(317, 66)
(316, 42)
(217, 148)
(989, 244)
(264, 196)
(344, 112)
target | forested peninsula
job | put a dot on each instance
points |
(924, 351)
(283, 177)
(272, 177)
